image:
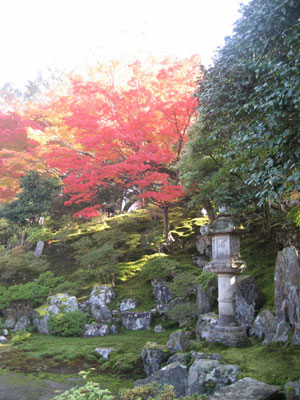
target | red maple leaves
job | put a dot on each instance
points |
(124, 130)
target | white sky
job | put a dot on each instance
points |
(35, 34)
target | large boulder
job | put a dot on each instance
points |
(204, 324)
(64, 302)
(287, 285)
(265, 326)
(101, 313)
(178, 341)
(174, 374)
(101, 295)
(41, 316)
(153, 355)
(207, 375)
(296, 335)
(205, 298)
(292, 390)
(247, 389)
(128, 304)
(60, 303)
(104, 351)
(248, 300)
(161, 291)
(135, 321)
(93, 330)
(282, 332)
(19, 316)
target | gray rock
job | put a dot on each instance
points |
(10, 322)
(178, 341)
(178, 357)
(248, 300)
(39, 248)
(264, 326)
(101, 295)
(116, 316)
(60, 303)
(128, 304)
(205, 356)
(153, 355)
(282, 332)
(84, 307)
(206, 376)
(91, 330)
(158, 329)
(296, 335)
(292, 390)
(18, 316)
(64, 303)
(246, 389)
(113, 329)
(4, 332)
(174, 374)
(205, 298)
(161, 309)
(101, 313)
(203, 245)
(204, 323)
(161, 291)
(40, 322)
(104, 352)
(287, 286)
(3, 340)
(198, 381)
(136, 321)
(22, 323)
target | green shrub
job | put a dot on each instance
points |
(159, 267)
(182, 284)
(32, 292)
(206, 278)
(182, 312)
(67, 324)
(17, 265)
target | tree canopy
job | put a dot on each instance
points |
(249, 111)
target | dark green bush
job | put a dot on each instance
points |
(159, 267)
(32, 292)
(182, 312)
(67, 324)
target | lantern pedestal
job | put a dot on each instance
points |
(226, 264)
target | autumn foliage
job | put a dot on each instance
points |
(16, 152)
(123, 129)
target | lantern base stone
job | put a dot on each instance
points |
(232, 336)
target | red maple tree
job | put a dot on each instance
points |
(16, 152)
(123, 131)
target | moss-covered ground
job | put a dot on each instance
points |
(135, 239)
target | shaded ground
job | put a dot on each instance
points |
(20, 387)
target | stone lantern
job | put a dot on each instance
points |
(226, 263)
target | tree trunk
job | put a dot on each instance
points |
(166, 224)
(209, 209)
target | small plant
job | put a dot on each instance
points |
(67, 324)
(89, 391)
(149, 391)
(20, 337)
